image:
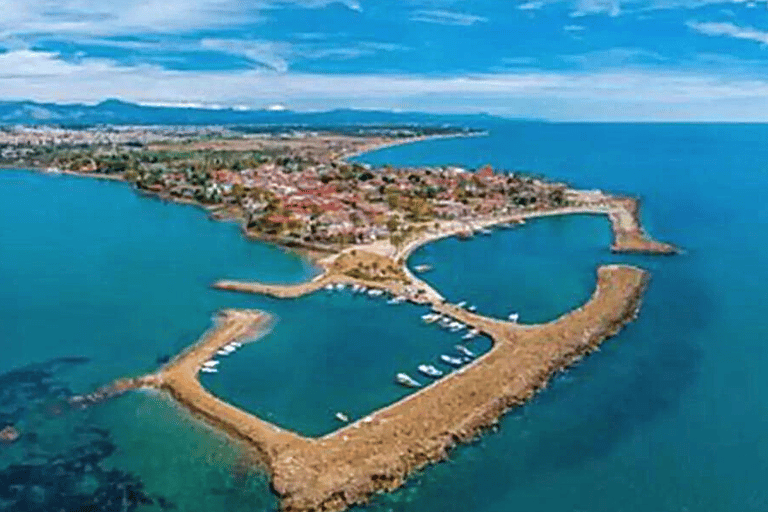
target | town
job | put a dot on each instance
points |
(295, 188)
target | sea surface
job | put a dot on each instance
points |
(97, 282)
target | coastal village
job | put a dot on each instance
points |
(295, 188)
(300, 189)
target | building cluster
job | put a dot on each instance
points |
(295, 186)
(31, 136)
(338, 202)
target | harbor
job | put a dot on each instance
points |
(401, 438)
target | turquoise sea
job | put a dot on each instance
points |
(97, 282)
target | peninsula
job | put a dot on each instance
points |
(360, 224)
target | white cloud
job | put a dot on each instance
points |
(728, 29)
(277, 55)
(607, 94)
(270, 54)
(98, 17)
(531, 6)
(441, 17)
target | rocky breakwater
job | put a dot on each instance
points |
(379, 452)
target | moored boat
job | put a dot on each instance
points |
(405, 380)
(342, 417)
(464, 350)
(430, 371)
(453, 361)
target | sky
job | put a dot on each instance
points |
(697, 60)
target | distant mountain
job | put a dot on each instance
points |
(116, 112)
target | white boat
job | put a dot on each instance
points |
(206, 369)
(355, 288)
(396, 300)
(430, 371)
(430, 317)
(340, 286)
(211, 363)
(342, 417)
(453, 361)
(422, 268)
(472, 309)
(471, 334)
(375, 293)
(222, 352)
(464, 350)
(461, 304)
(329, 287)
(404, 380)
(513, 317)
(363, 289)
(484, 231)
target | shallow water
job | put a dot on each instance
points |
(96, 282)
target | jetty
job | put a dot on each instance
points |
(378, 452)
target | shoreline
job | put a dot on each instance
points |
(379, 452)
(412, 140)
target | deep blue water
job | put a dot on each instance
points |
(669, 415)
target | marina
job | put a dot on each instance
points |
(664, 354)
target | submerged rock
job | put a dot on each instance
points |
(9, 434)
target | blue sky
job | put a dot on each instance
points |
(553, 59)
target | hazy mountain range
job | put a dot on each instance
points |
(118, 112)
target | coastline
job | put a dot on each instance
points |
(379, 452)
(411, 140)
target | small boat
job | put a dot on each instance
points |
(461, 304)
(484, 231)
(375, 293)
(430, 318)
(211, 363)
(453, 361)
(472, 309)
(396, 300)
(363, 289)
(513, 317)
(471, 334)
(422, 268)
(464, 350)
(342, 417)
(207, 369)
(329, 287)
(430, 371)
(355, 288)
(222, 352)
(340, 286)
(404, 380)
